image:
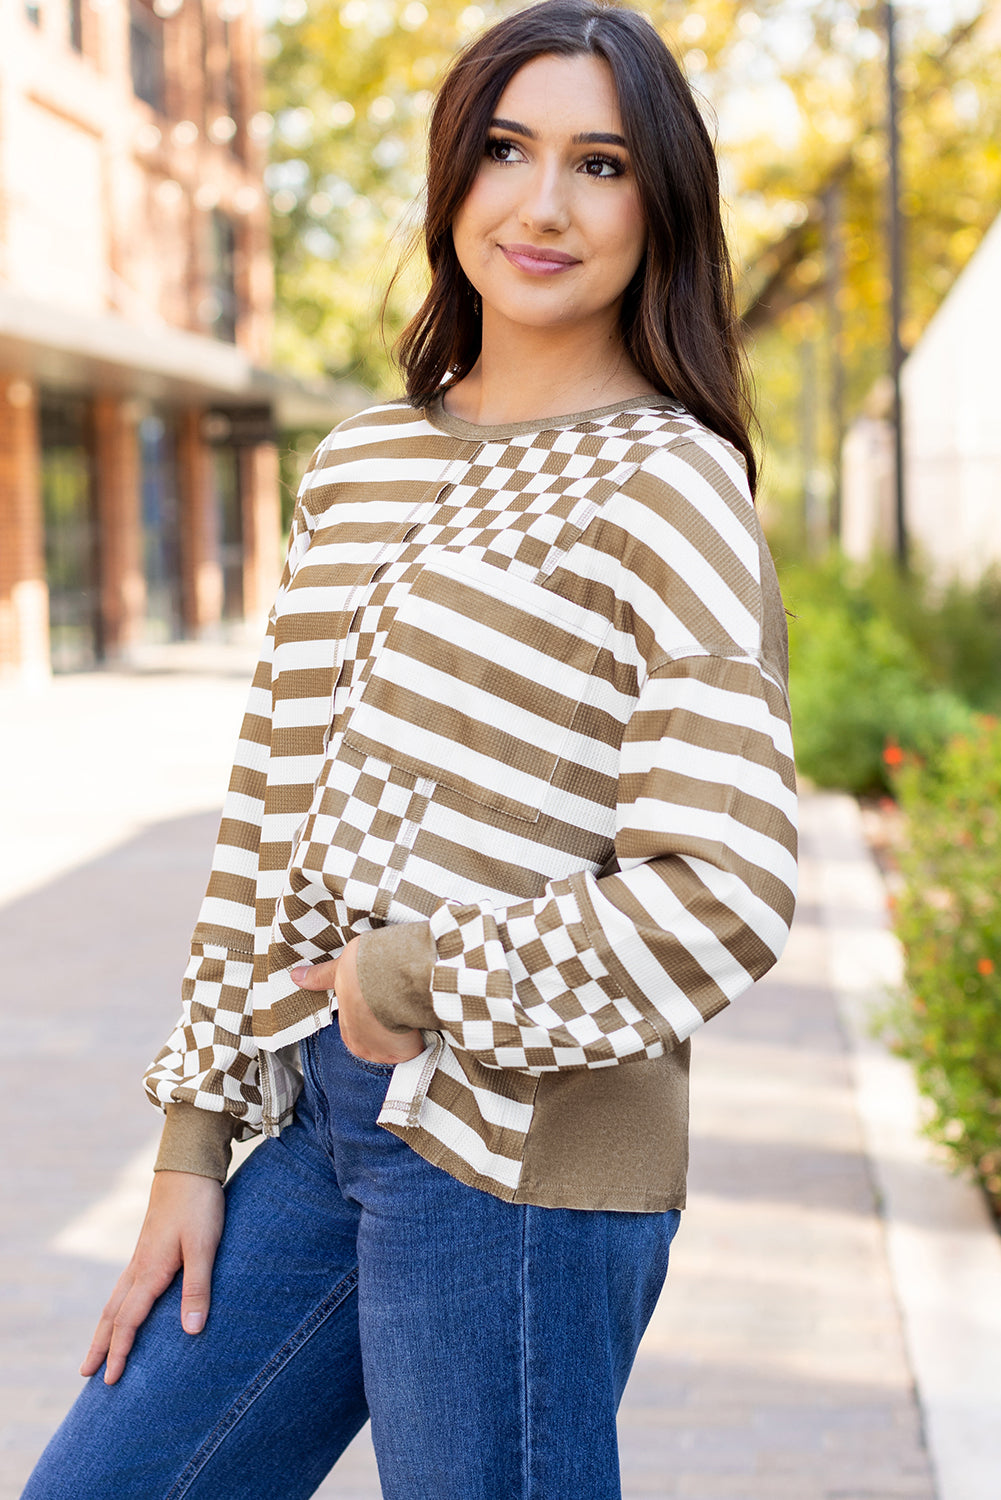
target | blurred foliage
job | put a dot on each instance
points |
(349, 86)
(796, 97)
(948, 917)
(824, 288)
(877, 659)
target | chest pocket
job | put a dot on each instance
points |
(478, 683)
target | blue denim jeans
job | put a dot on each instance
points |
(489, 1342)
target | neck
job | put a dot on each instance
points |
(527, 373)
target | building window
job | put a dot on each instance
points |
(76, 24)
(222, 301)
(33, 11)
(146, 51)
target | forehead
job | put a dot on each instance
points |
(563, 95)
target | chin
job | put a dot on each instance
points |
(529, 312)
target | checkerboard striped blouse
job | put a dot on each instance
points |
(521, 724)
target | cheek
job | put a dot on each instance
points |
(632, 231)
(479, 206)
(469, 226)
(620, 230)
(462, 237)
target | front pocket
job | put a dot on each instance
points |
(478, 684)
(384, 1071)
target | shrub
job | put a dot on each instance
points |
(948, 917)
(955, 631)
(857, 681)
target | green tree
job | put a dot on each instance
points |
(349, 86)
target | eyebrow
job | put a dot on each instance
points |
(583, 138)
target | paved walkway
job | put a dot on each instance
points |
(775, 1367)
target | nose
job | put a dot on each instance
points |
(545, 207)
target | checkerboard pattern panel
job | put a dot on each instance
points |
(535, 995)
(206, 1060)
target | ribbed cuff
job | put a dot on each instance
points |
(196, 1140)
(395, 965)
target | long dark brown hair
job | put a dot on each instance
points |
(679, 322)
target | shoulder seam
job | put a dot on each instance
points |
(688, 652)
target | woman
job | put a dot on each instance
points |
(512, 815)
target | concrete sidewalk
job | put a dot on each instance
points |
(783, 1361)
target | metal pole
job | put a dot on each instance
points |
(895, 236)
(808, 419)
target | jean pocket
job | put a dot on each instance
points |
(377, 1069)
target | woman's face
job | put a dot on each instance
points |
(552, 230)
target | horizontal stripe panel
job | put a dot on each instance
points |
(755, 794)
(712, 700)
(699, 734)
(467, 1144)
(726, 508)
(761, 920)
(691, 582)
(625, 952)
(707, 826)
(714, 957)
(389, 737)
(522, 701)
(495, 1108)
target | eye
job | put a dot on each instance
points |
(602, 166)
(500, 150)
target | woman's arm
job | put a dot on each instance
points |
(205, 1077)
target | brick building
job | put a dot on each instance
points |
(139, 496)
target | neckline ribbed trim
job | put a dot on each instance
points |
(457, 427)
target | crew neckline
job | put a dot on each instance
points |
(458, 427)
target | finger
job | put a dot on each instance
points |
(196, 1288)
(133, 1311)
(316, 976)
(101, 1341)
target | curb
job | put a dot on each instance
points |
(943, 1249)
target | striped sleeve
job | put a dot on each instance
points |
(697, 902)
(209, 1061)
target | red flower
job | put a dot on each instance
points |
(985, 966)
(893, 755)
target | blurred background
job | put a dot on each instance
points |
(202, 205)
(202, 202)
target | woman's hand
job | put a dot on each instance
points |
(361, 1033)
(182, 1228)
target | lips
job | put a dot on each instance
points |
(538, 262)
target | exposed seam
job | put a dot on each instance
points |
(712, 653)
(345, 1288)
(412, 1107)
(223, 948)
(410, 827)
(311, 1079)
(382, 557)
(526, 1446)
